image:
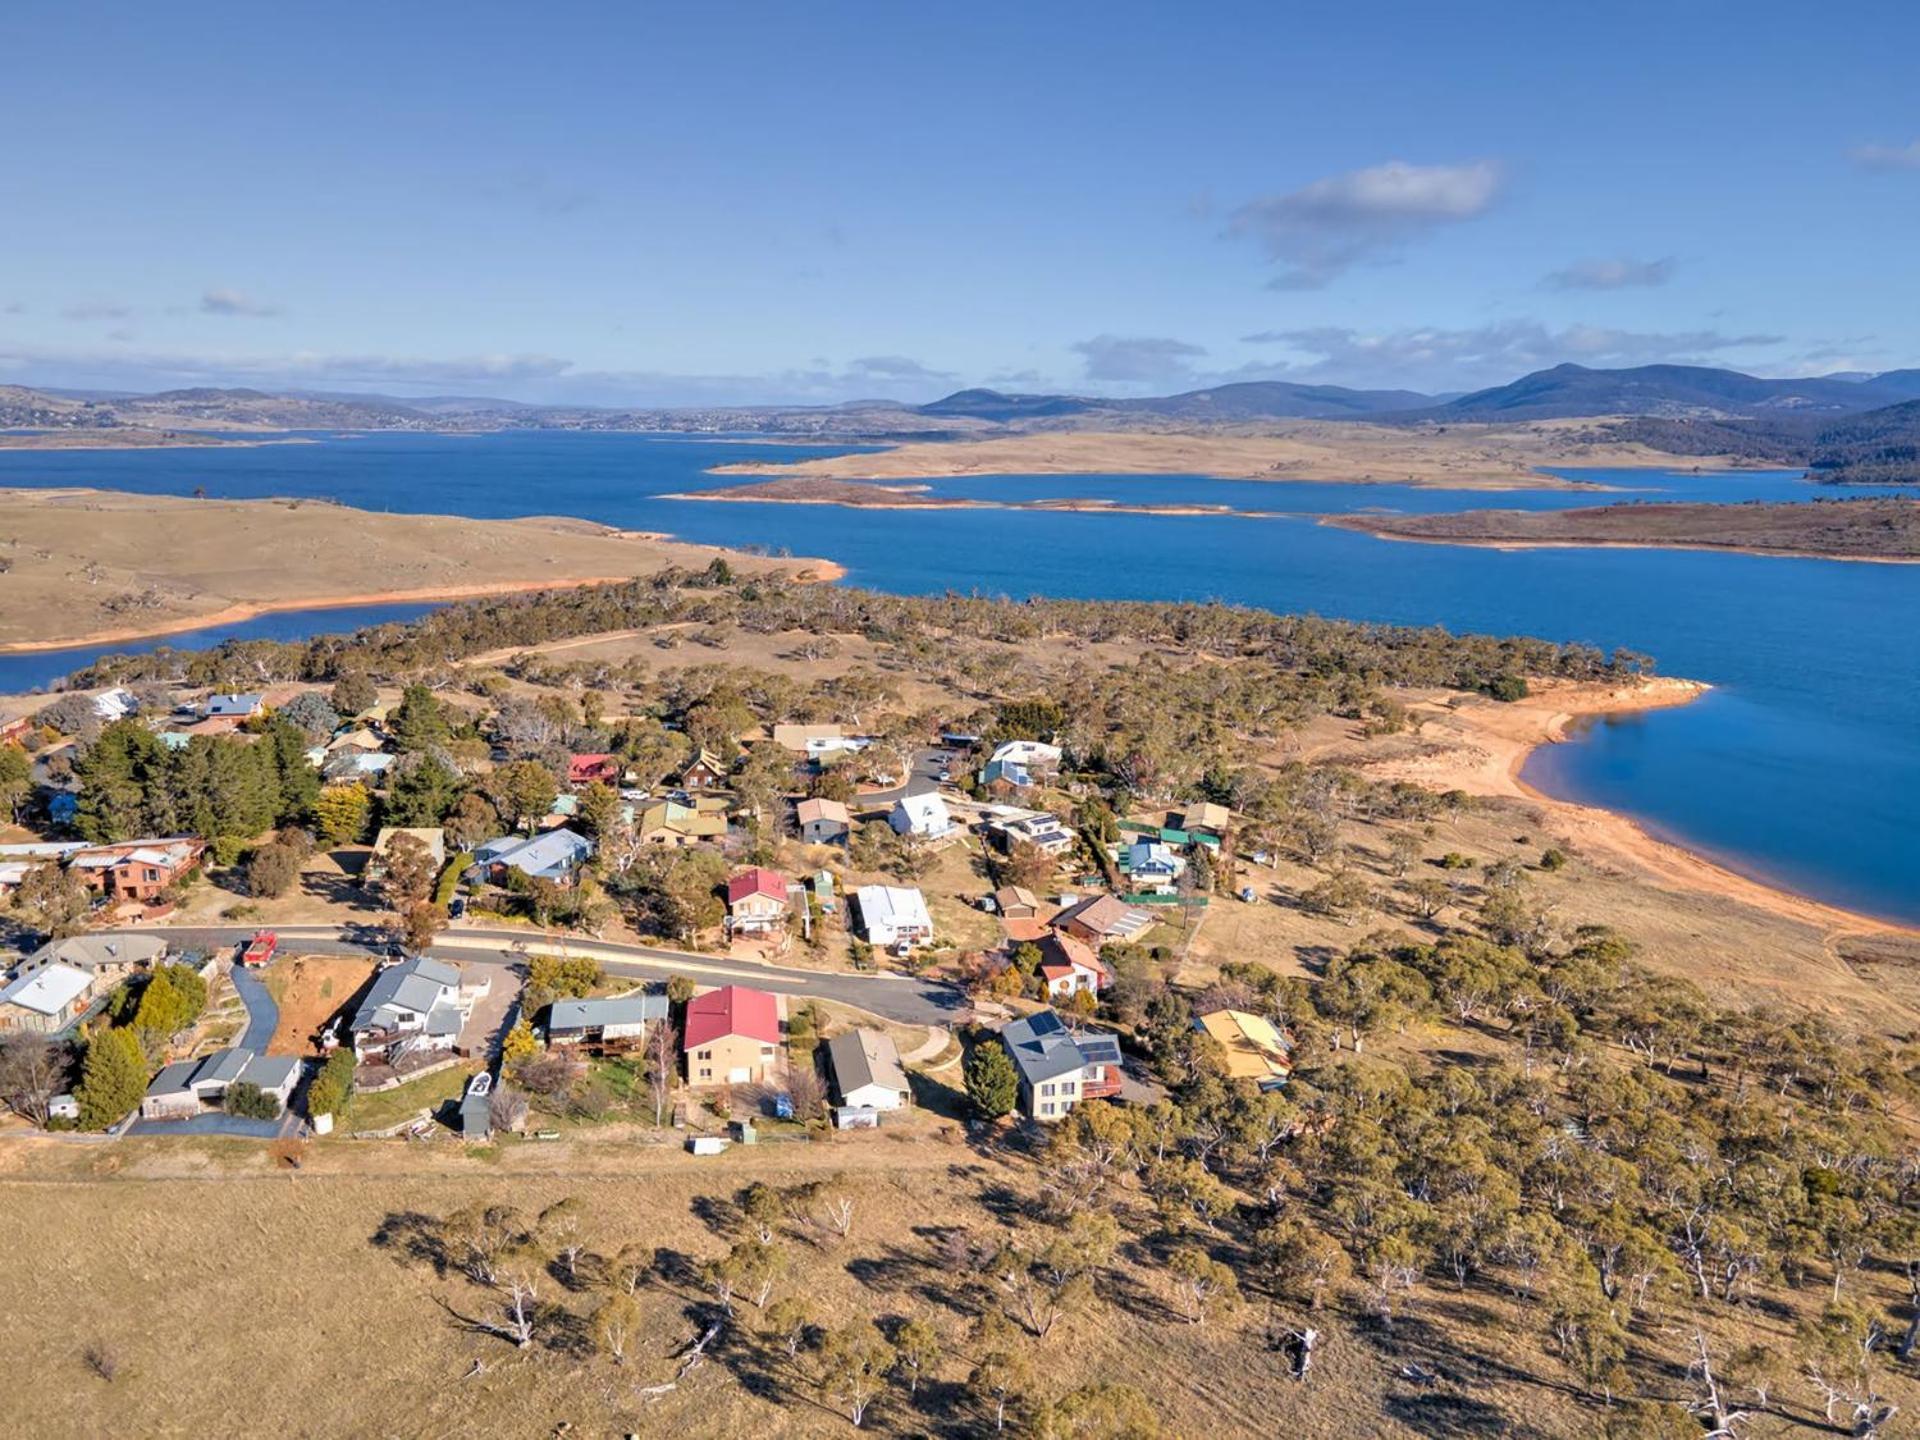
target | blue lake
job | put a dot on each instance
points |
(1803, 766)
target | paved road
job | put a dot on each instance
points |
(896, 997)
(922, 778)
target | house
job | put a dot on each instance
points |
(1034, 756)
(348, 766)
(892, 915)
(1016, 902)
(14, 728)
(704, 772)
(1101, 920)
(184, 1088)
(802, 739)
(1151, 867)
(233, 707)
(866, 1071)
(1046, 832)
(922, 815)
(823, 822)
(555, 855)
(592, 770)
(1069, 966)
(607, 1026)
(45, 1001)
(1254, 1046)
(137, 869)
(359, 738)
(105, 957)
(668, 822)
(1004, 777)
(733, 1037)
(413, 1006)
(756, 901)
(1057, 1068)
(1205, 819)
(115, 704)
(431, 836)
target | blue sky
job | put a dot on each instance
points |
(813, 202)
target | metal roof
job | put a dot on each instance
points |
(866, 1057)
(640, 1009)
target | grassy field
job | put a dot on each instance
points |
(389, 1107)
(216, 1286)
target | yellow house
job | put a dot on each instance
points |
(733, 1037)
(1255, 1049)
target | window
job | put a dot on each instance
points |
(706, 1074)
(1047, 1108)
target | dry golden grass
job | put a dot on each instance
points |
(226, 1292)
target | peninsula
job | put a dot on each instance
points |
(82, 566)
(1877, 528)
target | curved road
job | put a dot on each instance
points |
(895, 997)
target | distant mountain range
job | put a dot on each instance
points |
(1684, 409)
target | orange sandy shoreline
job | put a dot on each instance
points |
(816, 572)
(1495, 740)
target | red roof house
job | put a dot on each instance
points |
(592, 770)
(757, 900)
(733, 1037)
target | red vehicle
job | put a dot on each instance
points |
(259, 949)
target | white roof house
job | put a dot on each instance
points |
(115, 704)
(1027, 752)
(924, 815)
(48, 990)
(893, 915)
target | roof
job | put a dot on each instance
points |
(270, 1072)
(239, 704)
(100, 952)
(1206, 816)
(866, 1057)
(585, 767)
(809, 811)
(1014, 897)
(1026, 752)
(431, 836)
(1104, 915)
(795, 737)
(683, 819)
(1071, 950)
(416, 985)
(708, 760)
(551, 852)
(222, 1067)
(1042, 1048)
(47, 991)
(174, 1079)
(1014, 772)
(639, 1009)
(893, 907)
(926, 812)
(732, 1010)
(1255, 1049)
(757, 881)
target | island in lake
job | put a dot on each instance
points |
(1874, 528)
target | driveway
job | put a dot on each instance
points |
(263, 1015)
(895, 997)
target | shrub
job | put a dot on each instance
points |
(247, 1099)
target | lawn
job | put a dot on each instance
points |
(390, 1107)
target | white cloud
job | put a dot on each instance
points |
(1618, 273)
(1137, 359)
(233, 302)
(1888, 157)
(1322, 230)
(896, 367)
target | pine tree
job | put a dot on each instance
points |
(417, 721)
(113, 1079)
(992, 1083)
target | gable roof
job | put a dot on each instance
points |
(238, 704)
(810, 810)
(416, 985)
(1206, 816)
(922, 812)
(757, 881)
(1104, 915)
(866, 1057)
(586, 767)
(732, 1010)
(896, 907)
